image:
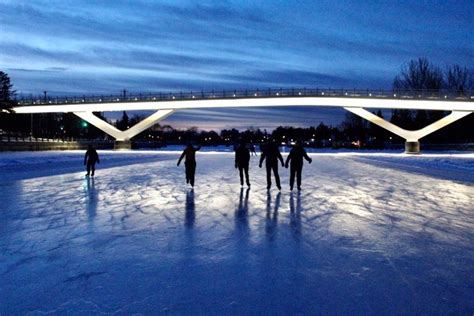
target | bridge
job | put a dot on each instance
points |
(164, 104)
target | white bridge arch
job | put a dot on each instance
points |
(459, 107)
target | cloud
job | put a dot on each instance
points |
(102, 47)
(290, 77)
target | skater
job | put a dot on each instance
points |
(253, 151)
(272, 154)
(242, 158)
(90, 159)
(190, 162)
(296, 156)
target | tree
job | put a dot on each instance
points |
(471, 80)
(6, 93)
(377, 134)
(354, 127)
(457, 79)
(124, 123)
(418, 76)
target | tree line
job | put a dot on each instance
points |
(418, 74)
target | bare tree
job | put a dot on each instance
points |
(457, 79)
(419, 74)
(471, 80)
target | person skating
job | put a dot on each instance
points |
(272, 154)
(242, 158)
(189, 163)
(295, 159)
(253, 150)
(90, 159)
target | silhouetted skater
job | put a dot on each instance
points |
(90, 159)
(296, 156)
(242, 158)
(253, 151)
(190, 162)
(272, 154)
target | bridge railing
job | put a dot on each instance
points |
(12, 137)
(251, 93)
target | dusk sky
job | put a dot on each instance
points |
(102, 47)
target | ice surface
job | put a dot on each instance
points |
(378, 234)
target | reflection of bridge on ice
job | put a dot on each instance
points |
(355, 101)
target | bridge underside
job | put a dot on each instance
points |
(412, 138)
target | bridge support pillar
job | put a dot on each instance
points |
(412, 147)
(412, 144)
(123, 145)
(122, 138)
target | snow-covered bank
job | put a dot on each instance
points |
(359, 239)
(27, 165)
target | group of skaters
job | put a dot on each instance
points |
(270, 154)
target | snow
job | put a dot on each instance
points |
(382, 233)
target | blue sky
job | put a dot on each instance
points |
(86, 47)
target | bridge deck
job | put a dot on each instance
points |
(432, 100)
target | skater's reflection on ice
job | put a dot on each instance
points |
(190, 215)
(92, 197)
(295, 215)
(272, 215)
(241, 213)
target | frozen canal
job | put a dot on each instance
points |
(367, 235)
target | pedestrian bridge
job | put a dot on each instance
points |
(355, 101)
